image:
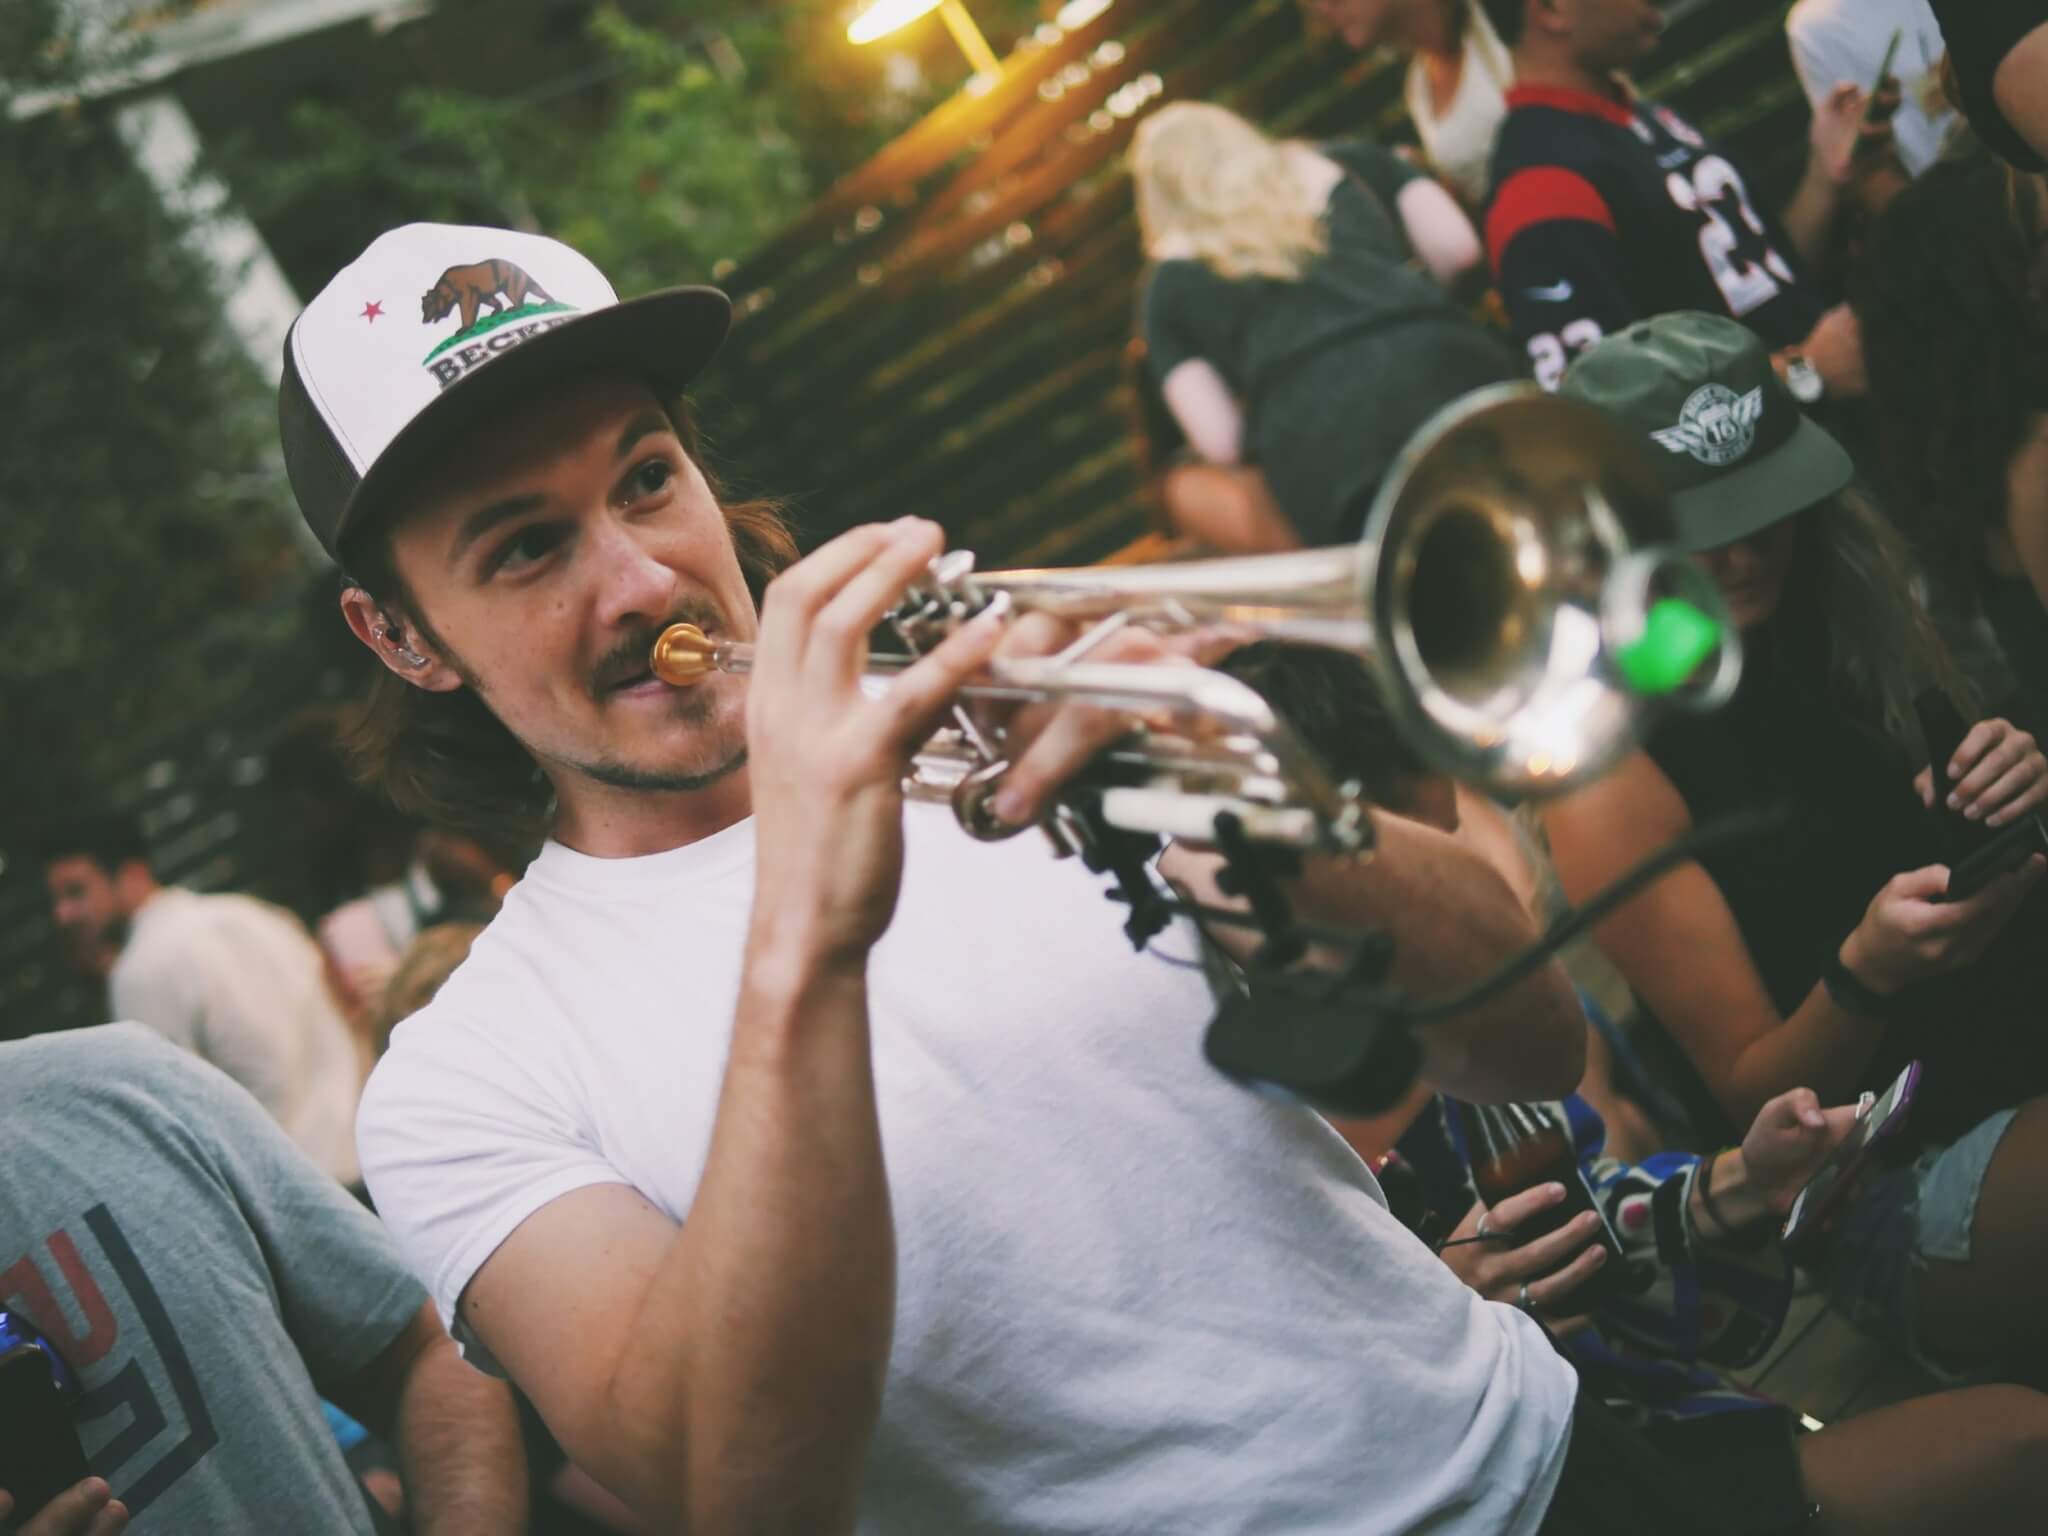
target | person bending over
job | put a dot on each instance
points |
(1281, 316)
(1822, 954)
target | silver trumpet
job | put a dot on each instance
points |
(1514, 593)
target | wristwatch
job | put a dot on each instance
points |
(1803, 379)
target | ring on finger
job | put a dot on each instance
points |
(1480, 1229)
(1523, 1300)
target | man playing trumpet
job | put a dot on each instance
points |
(809, 1164)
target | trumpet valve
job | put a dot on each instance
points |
(682, 655)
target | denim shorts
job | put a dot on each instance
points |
(1904, 1217)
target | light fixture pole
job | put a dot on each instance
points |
(886, 16)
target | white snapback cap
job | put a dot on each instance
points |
(436, 326)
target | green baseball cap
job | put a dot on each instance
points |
(1734, 450)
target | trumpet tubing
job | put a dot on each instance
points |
(1514, 593)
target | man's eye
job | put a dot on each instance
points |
(532, 543)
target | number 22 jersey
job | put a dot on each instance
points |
(1604, 213)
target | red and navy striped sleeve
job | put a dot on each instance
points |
(1550, 237)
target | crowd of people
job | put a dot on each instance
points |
(765, 1154)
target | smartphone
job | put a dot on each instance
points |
(1825, 1191)
(1884, 70)
(1498, 1137)
(1617, 1277)
(2007, 849)
(39, 1452)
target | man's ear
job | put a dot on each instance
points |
(397, 643)
(1551, 16)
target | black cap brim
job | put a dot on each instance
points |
(665, 338)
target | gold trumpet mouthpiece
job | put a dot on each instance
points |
(683, 654)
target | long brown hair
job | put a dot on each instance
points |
(1952, 298)
(1880, 648)
(444, 757)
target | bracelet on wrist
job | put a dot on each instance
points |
(1852, 994)
(1731, 1235)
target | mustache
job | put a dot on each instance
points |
(627, 660)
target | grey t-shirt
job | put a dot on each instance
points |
(198, 1273)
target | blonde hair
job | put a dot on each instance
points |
(1237, 198)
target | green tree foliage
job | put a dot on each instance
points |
(677, 135)
(141, 495)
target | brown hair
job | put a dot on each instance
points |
(1953, 306)
(428, 962)
(444, 757)
(1879, 647)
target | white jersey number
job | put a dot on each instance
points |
(1744, 283)
(1550, 352)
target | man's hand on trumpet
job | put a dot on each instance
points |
(828, 757)
(1047, 743)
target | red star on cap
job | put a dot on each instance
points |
(372, 310)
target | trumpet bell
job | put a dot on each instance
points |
(1527, 609)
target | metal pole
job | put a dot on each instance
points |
(969, 37)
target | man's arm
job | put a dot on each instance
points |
(726, 1375)
(455, 1430)
(1551, 239)
(1452, 920)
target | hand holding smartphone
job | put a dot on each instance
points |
(1976, 854)
(40, 1457)
(1817, 1203)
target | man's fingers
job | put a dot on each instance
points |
(1510, 1213)
(1036, 634)
(921, 691)
(1552, 1251)
(1074, 734)
(1923, 786)
(841, 625)
(799, 592)
(1557, 1290)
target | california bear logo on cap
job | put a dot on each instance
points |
(1715, 425)
(491, 295)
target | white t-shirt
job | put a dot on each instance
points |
(1844, 40)
(241, 984)
(1130, 1296)
(1459, 140)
